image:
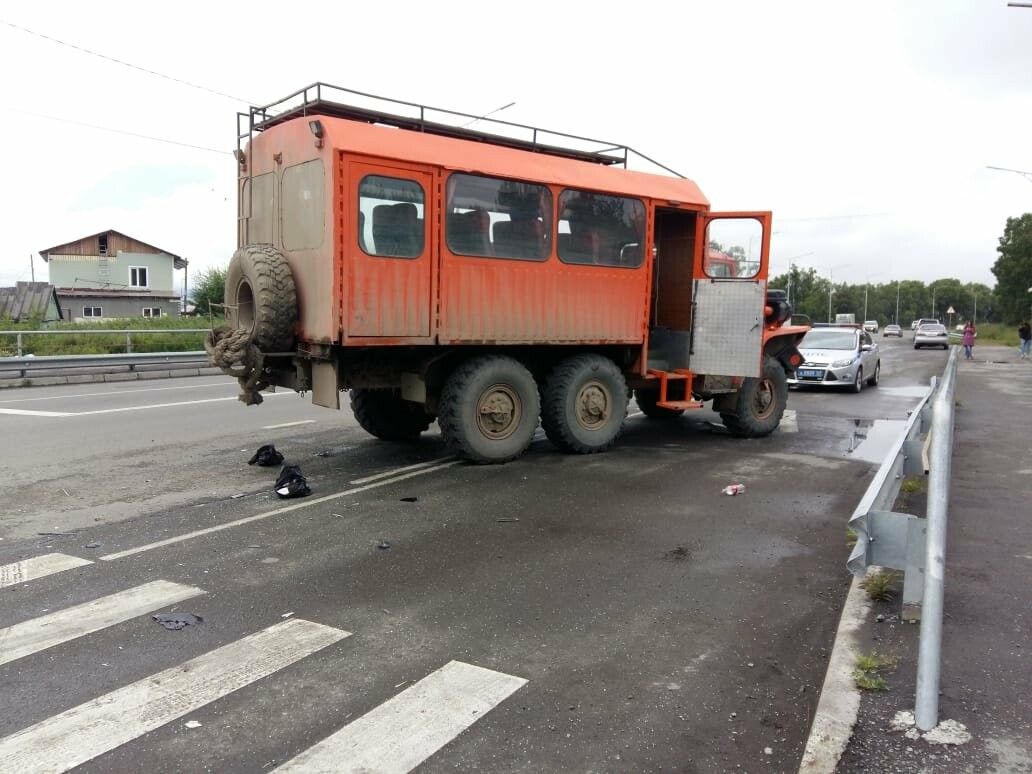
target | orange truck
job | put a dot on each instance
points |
(490, 280)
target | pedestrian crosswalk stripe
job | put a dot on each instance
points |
(38, 567)
(46, 631)
(80, 734)
(401, 733)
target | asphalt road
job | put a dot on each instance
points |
(560, 613)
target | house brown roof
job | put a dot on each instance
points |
(177, 261)
(27, 299)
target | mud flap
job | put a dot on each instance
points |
(324, 384)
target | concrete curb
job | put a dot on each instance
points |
(840, 698)
(121, 376)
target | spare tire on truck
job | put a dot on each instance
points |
(261, 298)
(261, 312)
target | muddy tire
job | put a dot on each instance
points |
(383, 414)
(489, 409)
(584, 404)
(646, 400)
(261, 298)
(761, 403)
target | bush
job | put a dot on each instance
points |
(209, 288)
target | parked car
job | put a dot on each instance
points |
(929, 335)
(871, 326)
(892, 330)
(838, 357)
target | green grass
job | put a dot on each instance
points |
(160, 340)
(851, 537)
(869, 666)
(880, 586)
(995, 334)
(912, 484)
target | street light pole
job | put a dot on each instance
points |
(831, 292)
(896, 318)
(933, 302)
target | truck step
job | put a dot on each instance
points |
(679, 404)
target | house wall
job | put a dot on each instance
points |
(116, 307)
(97, 271)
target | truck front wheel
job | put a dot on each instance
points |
(489, 409)
(761, 402)
(382, 413)
(584, 404)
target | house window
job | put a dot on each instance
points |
(102, 244)
(138, 276)
(92, 311)
(152, 311)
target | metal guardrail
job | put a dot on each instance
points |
(127, 332)
(23, 366)
(917, 546)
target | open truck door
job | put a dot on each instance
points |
(729, 293)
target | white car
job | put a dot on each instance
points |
(838, 357)
(930, 335)
(871, 326)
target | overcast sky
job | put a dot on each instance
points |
(865, 127)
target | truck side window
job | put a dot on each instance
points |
(496, 218)
(601, 229)
(391, 217)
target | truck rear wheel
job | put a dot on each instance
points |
(761, 402)
(382, 413)
(646, 400)
(584, 404)
(260, 297)
(489, 409)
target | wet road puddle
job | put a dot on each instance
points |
(872, 439)
(912, 391)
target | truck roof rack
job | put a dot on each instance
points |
(328, 100)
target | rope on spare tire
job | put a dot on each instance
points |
(233, 351)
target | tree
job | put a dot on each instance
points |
(1013, 270)
(209, 288)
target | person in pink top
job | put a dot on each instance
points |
(969, 339)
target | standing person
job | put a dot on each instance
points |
(969, 339)
(1024, 339)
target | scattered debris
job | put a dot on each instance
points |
(176, 621)
(947, 732)
(55, 533)
(768, 750)
(409, 499)
(383, 544)
(292, 482)
(237, 496)
(93, 545)
(270, 560)
(287, 615)
(192, 724)
(403, 682)
(266, 456)
(507, 520)
(733, 489)
(65, 491)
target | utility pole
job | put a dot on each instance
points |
(32, 265)
(896, 318)
(865, 303)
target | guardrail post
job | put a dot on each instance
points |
(926, 705)
(19, 346)
(128, 343)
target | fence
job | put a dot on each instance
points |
(128, 333)
(917, 546)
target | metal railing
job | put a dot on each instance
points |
(128, 333)
(21, 367)
(917, 546)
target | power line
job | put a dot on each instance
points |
(113, 130)
(124, 63)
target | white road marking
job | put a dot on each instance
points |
(38, 567)
(49, 630)
(789, 422)
(27, 413)
(222, 384)
(278, 511)
(395, 471)
(121, 409)
(80, 734)
(404, 731)
(289, 424)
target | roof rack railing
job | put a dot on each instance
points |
(327, 99)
